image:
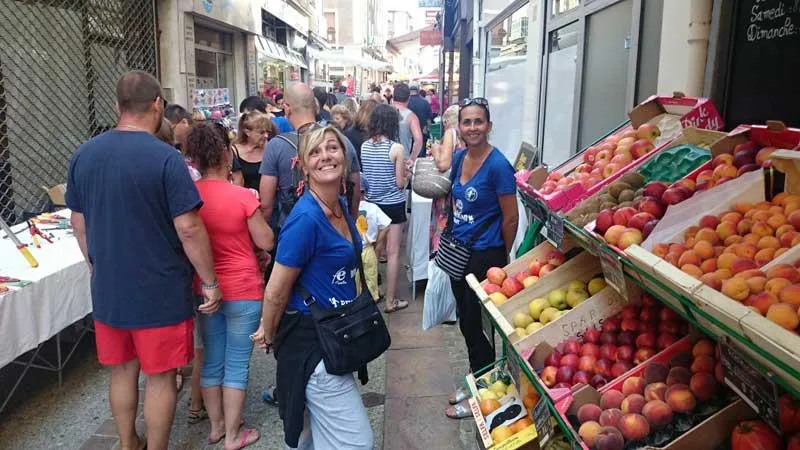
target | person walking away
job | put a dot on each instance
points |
(484, 211)
(323, 116)
(142, 300)
(385, 171)
(443, 155)
(341, 93)
(317, 250)
(422, 109)
(410, 129)
(373, 225)
(255, 130)
(235, 225)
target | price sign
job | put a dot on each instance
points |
(538, 210)
(755, 388)
(513, 368)
(541, 419)
(554, 229)
(612, 271)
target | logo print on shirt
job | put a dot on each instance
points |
(471, 194)
(339, 277)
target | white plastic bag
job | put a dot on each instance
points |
(440, 304)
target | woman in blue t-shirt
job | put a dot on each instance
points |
(484, 209)
(316, 251)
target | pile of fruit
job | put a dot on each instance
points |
(726, 167)
(556, 303)
(630, 337)
(501, 286)
(604, 159)
(726, 252)
(756, 434)
(494, 390)
(649, 402)
(624, 192)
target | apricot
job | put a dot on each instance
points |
(785, 228)
(658, 413)
(655, 391)
(723, 274)
(633, 404)
(790, 295)
(761, 229)
(672, 258)
(725, 260)
(743, 226)
(661, 250)
(745, 250)
(709, 221)
(775, 209)
(768, 242)
(691, 232)
(777, 220)
(780, 251)
(612, 398)
(731, 216)
(677, 248)
(703, 249)
(733, 239)
(633, 385)
(692, 270)
(703, 386)
(718, 250)
(709, 265)
(742, 208)
(751, 238)
(756, 284)
(711, 280)
(589, 412)
(780, 199)
(725, 171)
(690, 242)
(680, 398)
(788, 238)
(750, 273)
(794, 217)
(707, 234)
(783, 315)
(762, 301)
(775, 285)
(634, 426)
(689, 257)
(736, 288)
(764, 256)
(726, 229)
(786, 271)
(742, 264)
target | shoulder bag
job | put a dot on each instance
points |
(351, 335)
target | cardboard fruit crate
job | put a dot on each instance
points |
(582, 267)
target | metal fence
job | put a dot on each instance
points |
(59, 64)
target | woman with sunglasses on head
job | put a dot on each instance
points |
(315, 261)
(484, 212)
(235, 227)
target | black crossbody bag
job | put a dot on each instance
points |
(351, 335)
(452, 255)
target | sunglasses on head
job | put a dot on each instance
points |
(225, 136)
(309, 127)
(480, 101)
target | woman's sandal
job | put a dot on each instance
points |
(249, 436)
(458, 396)
(396, 305)
(196, 415)
(458, 411)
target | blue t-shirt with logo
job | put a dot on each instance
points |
(309, 242)
(476, 201)
(129, 187)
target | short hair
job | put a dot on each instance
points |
(175, 113)
(136, 91)
(255, 120)
(300, 97)
(312, 139)
(206, 145)
(401, 92)
(253, 103)
(165, 133)
(342, 111)
(321, 96)
(364, 114)
(385, 120)
(342, 88)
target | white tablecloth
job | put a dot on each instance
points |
(58, 296)
(419, 237)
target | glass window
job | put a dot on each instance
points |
(562, 6)
(213, 59)
(559, 97)
(213, 39)
(491, 8)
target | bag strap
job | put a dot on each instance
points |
(291, 142)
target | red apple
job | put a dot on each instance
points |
(548, 376)
(572, 346)
(547, 268)
(604, 221)
(646, 339)
(491, 288)
(510, 287)
(747, 168)
(648, 228)
(564, 374)
(570, 360)
(611, 324)
(590, 349)
(623, 215)
(652, 206)
(534, 267)
(608, 351)
(589, 154)
(496, 275)
(629, 312)
(654, 189)
(643, 354)
(555, 258)
(641, 148)
(630, 325)
(592, 335)
(553, 359)
(639, 220)
(521, 277)
(648, 131)
(744, 157)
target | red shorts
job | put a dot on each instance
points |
(158, 349)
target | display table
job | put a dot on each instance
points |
(419, 233)
(58, 296)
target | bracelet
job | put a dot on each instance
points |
(214, 285)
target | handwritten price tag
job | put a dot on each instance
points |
(613, 271)
(755, 388)
(554, 227)
(541, 419)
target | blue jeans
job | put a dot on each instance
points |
(226, 337)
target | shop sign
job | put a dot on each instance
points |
(430, 37)
(244, 15)
(206, 98)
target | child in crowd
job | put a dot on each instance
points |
(373, 224)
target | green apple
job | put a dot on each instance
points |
(534, 327)
(520, 332)
(548, 315)
(596, 285)
(561, 313)
(522, 320)
(557, 298)
(537, 306)
(574, 298)
(576, 285)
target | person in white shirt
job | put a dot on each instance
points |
(373, 224)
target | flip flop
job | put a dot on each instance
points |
(245, 438)
(458, 411)
(196, 415)
(458, 396)
(396, 305)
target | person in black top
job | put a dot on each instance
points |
(419, 106)
(343, 118)
(323, 116)
(255, 129)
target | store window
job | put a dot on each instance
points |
(562, 57)
(213, 59)
(561, 6)
(491, 8)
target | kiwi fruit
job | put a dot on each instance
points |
(617, 187)
(635, 179)
(606, 198)
(626, 196)
(608, 205)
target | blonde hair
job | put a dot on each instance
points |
(254, 121)
(344, 112)
(450, 117)
(316, 137)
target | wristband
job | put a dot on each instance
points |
(214, 285)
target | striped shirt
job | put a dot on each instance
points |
(379, 170)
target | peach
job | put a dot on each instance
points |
(672, 258)
(611, 399)
(723, 274)
(744, 226)
(732, 216)
(613, 234)
(777, 220)
(634, 426)
(790, 295)
(742, 264)
(756, 284)
(762, 301)
(761, 229)
(764, 256)
(733, 239)
(784, 315)
(655, 391)
(775, 285)
(705, 176)
(768, 242)
(588, 432)
(689, 257)
(680, 398)
(681, 359)
(724, 158)
(788, 238)
(780, 199)
(610, 417)
(589, 412)
(678, 375)
(609, 438)
(690, 242)
(725, 230)
(633, 404)
(709, 265)
(746, 250)
(703, 386)
(707, 234)
(692, 270)
(703, 347)
(658, 413)
(776, 209)
(725, 260)
(736, 288)
(633, 385)
(711, 280)
(703, 363)
(786, 271)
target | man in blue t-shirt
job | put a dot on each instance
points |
(134, 211)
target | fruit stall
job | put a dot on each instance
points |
(661, 310)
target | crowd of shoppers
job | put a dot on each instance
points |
(317, 180)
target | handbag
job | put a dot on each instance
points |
(353, 334)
